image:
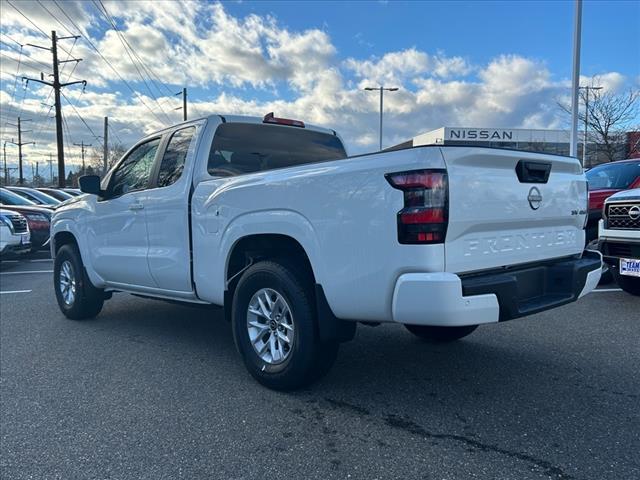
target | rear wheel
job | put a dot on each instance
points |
(77, 298)
(274, 327)
(440, 334)
(628, 284)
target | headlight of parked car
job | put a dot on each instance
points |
(5, 221)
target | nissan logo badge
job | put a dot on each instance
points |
(535, 198)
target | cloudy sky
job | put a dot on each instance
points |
(481, 64)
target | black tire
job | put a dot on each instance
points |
(628, 284)
(88, 300)
(440, 334)
(308, 359)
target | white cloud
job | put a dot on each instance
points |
(392, 68)
(253, 65)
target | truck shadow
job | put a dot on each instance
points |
(500, 385)
(379, 361)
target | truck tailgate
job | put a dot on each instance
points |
(501, 214)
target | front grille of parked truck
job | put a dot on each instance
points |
(19, 223)
(622, 216)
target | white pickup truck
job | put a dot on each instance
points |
(270, 219)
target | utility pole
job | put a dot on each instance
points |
(83, 148)
(20, 143)
(575, 80)
(106, 146)
(184, 104)
(381, 89)
(57, 86)
(586, 120)
(51, 167)
(6, 172)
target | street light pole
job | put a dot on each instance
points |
(381, 89)
(586, 121)
(575, 81)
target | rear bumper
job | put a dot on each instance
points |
(445, 299)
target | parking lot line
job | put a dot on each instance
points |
(28, 271)
(607, 290)
(16, 291)
(42, 260)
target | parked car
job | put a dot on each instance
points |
(35, 196)
(39, 220)
(7, 197)
(14, 233)
(73, 191)
(619, 238)
(56, 193)
(271, 219)
(605, 180)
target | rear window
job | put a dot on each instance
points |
(244, 148)
(613, 175)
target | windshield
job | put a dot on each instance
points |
(247, 147)
(58, 194)
(613, 175)
(10, 198)
(37, 196)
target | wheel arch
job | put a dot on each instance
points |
(260, 246)
(60, 239)
(269, 246)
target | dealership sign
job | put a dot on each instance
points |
(488, 134)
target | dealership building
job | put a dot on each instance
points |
(534, 140)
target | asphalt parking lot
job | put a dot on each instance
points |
(154, 390)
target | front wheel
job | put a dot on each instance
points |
(274, 327)
(440, 334)
(77, 298)
(628, 284)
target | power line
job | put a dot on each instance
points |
(28, 19)
(80, 117)
(56, 18)
(10, 38)
(57, 86)
(23, 62)
(114, 132)
(110, 65)
(128, 49)
(151, 74)
(15, 49)
(32, 23)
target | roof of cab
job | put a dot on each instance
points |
(243, 119)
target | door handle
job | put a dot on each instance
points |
(136, 206)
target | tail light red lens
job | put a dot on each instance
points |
(424, 218)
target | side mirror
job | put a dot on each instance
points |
(90, 184)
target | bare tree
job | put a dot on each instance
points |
(116, 151)
(609, 116)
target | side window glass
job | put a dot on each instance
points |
(134, 172)
(175, 155)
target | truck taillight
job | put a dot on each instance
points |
(423, 220)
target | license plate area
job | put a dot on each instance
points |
(629, 267)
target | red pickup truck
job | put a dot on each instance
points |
(605, 180)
